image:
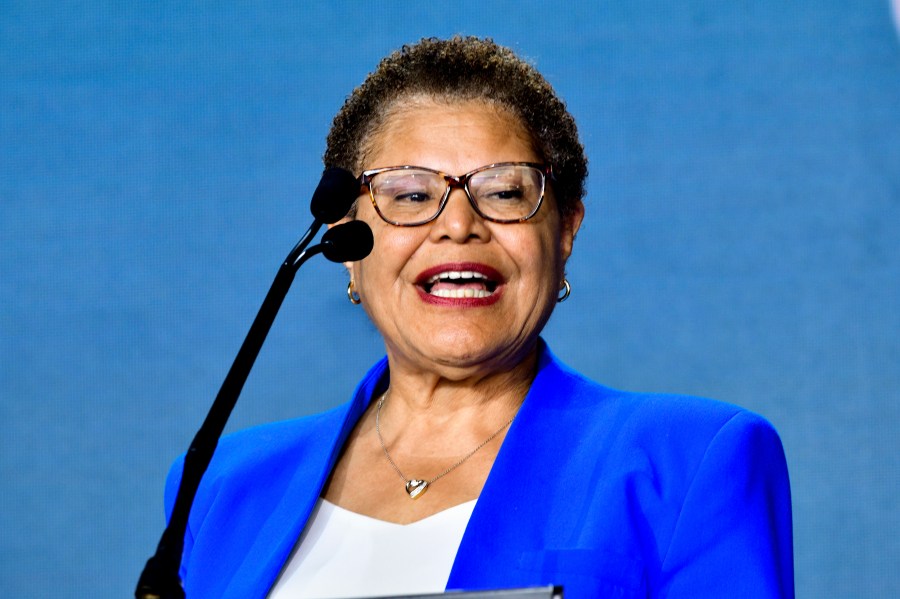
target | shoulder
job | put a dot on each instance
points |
(264, 451)
(669, 438)
(277, 452)
(663, 415)
(268, 440)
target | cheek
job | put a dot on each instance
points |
(546, 260)
(393, 249)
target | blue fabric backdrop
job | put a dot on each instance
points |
(156, 161)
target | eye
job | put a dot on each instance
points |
(508, 193)
(406, 188)
(412, 197)
(506, 185)
(500, 191)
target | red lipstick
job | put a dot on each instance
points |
(448, 284)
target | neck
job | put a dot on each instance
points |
(427, 414)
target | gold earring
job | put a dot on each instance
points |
(567, 287)
(352, 295)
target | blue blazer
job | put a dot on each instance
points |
(609, 493)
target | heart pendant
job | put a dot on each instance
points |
(416, 488)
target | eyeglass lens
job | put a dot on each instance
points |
(504, 193)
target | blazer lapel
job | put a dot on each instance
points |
(281, 528)
(511, 514)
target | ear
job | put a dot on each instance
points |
(570, 224)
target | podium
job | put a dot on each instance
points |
(548, 592)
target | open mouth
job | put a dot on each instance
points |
(459, 284)
(455, 282)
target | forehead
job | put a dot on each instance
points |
(454, 137)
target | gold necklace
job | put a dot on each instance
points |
(416, 487)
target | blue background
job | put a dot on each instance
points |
(156, 161)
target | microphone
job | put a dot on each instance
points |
(334, 195)
(332, 199)
(348, 242)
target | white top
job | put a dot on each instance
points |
(345, 554)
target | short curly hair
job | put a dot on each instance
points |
(463, 69)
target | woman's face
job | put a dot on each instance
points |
(522, 263)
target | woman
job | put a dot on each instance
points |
(470, 458)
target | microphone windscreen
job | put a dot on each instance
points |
(337, 191)
(348, 242)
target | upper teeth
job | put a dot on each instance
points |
(456, 274)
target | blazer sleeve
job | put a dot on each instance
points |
(733, 537)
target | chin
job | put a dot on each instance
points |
(472, 349)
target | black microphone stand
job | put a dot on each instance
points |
(332, 199)
(160, 578)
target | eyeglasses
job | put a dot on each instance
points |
(505, 192)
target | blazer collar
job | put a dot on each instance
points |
(282, 528)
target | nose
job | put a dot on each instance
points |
(458, 221)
